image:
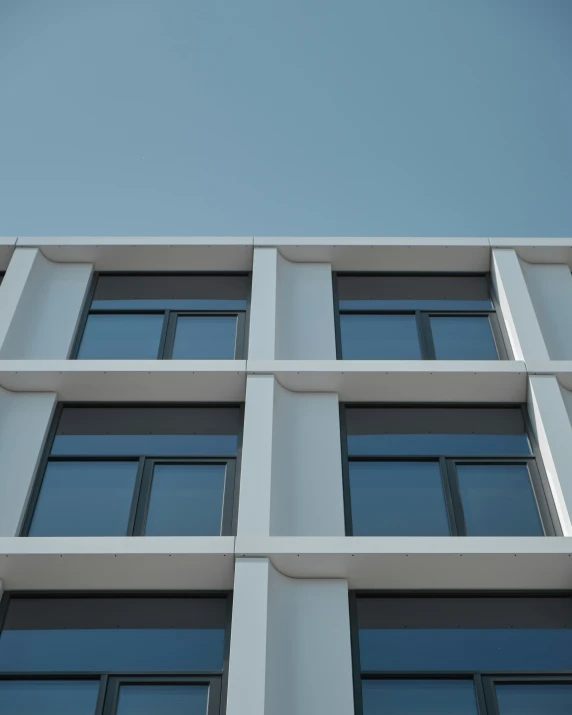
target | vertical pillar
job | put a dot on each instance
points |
(290, 650)
(42, 302)
(553, 431)
(256, 462)
(522, 325)
(263, 297)
(24, 424)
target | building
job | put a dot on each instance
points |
(192, 429)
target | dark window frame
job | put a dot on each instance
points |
(422, 317)
(451, 492)
(170, 317)
(483, 681)
(217, 681)
(143, 481)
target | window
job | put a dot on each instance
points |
(154, 317)
(436, 317)
(122, 471)
(462, 655)
(118, 655)
(441, 471)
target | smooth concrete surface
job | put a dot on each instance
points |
(44, 302)
(553, 431)
(401, 380)
(291, 477)
(129, 380)
(290, 650)
(521, 321)
(420, 563)
(304, 311)
(127, 253)
(119, 563)
(291, 309)
(24, 424)
(263, 302)
(550, 289)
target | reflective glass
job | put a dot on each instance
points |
(43, 697)
(397, 499)
(121, 337)
(157, 445)
(163, 700)
(535, 699)
(498, 500)
(379, 337)
(85, 499)
(463, 338)
(436, 445)
(470, 650)
(186, 500)
(205, 338)
(419, 697)
(112, 650)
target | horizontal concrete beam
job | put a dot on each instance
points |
(117, 563)
(129, 380)
(543, 563)
(401, 380)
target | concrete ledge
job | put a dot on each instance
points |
(129, 380)
(386, 254)
(538, 250)
(561, 369)
(117, 563)
(421, 562)
(401, 380)
(148, 253)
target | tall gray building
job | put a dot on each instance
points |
(303, 476)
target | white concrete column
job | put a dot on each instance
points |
(550, 288)
(41, 306)
(291, 309)
(291, 471)
(263, 296)
(305, 312)
(522, 325)
(256, 460)
(290, 650)
(553, 432)
(24, 423)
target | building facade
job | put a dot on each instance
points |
(286, 476)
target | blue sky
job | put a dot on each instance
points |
(286, 117)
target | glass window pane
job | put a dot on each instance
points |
(186, 500)
(436, 431)
(419, 697)
(463, 338)
(163, 700)
(144, 430)
(397, 499)
(379, 337)
(466, 649)
(498, 500)
(535, 699)
(121, 337)
(42, 697)
(85, 499)
(113, 634)
(205, 338)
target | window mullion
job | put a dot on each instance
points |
(425, 337)
(134, 528)
(101, 698)
(480, 695)
(164, 351)
(449, 503)
(455, 491)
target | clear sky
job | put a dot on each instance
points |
(286, 117)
